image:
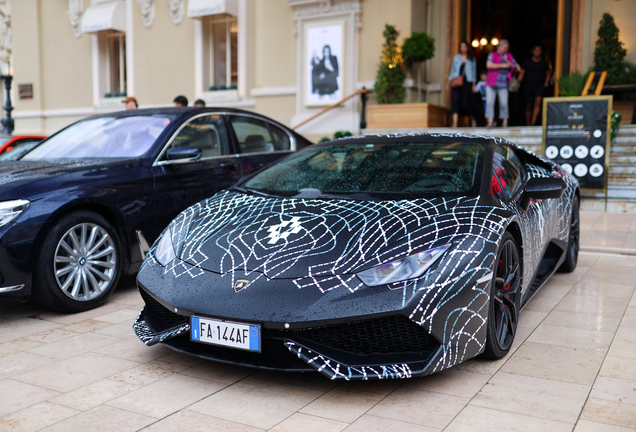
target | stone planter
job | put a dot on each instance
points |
(412, 115)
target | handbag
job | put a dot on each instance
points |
(457, 82)
(513, 86)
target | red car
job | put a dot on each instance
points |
(8, 142)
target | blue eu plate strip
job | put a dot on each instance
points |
(254, 338)
(195, 329)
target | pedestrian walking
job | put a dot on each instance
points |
(462, 81)
(535, 74)
(500, 65)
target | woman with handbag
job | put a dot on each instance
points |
(500, 65)
(462, 81)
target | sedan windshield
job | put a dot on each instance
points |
(385, 171)
(104, 137)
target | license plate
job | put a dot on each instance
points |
(225, 333)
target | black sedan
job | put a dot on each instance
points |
(370, 257)
(83, 206)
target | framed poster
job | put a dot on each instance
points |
(323, 75)
(576, 136)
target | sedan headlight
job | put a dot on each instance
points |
(403, 269)
(164, 253)
(10, 210)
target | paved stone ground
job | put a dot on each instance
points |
(573, 367)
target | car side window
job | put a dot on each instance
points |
(205, 133)
(508, 172)
(252, 134)
(280, 138)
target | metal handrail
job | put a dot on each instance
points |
(357, 92)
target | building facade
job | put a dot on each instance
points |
(287, 59)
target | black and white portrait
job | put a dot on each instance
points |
(324, 54)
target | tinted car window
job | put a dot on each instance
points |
(103, 137)
(508, 172)
(280, 138)
(252, 134)
(411, 169)
(205, 133)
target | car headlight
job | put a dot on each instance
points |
(164, 253)
(403, 269)
(10, 210)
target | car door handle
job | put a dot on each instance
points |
(228, 165)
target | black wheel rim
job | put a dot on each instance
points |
(574, 233)
(506, 291)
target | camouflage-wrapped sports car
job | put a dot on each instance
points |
(362, 258)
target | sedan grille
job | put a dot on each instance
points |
(159, 317)
(389, 335)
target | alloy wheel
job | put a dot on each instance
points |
(505, 294)
(85, 262)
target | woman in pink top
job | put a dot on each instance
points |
(500, 65)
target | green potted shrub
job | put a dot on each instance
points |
(609, 55)
(573, 84)
(389, 81)
(388, 91)
(416, 50)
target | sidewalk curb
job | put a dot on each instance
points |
(604, 249)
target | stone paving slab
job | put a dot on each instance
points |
(572, 368)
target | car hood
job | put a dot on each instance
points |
(27, 177)
(296, 238)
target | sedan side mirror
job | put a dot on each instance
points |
(542, 188)
(184, 154)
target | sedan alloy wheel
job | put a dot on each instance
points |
(85, 261)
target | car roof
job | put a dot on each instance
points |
(172, 111)
(417, 137)
(185, 112)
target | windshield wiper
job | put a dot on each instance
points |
(254, 192)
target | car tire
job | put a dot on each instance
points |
(572, 253)
(505, 299)
(78, 264)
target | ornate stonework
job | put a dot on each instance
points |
(325, 8)
(75, 11)
(147, 12)
(177, 10)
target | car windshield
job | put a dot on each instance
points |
(382, 171)
(104, 137)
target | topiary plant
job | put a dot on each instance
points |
(417, 49)
(609, 54)
(389, 81)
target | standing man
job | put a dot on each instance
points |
(180, 101)
(130, 103)
(536, 71)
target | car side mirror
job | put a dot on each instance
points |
(542, 188)
(183, 154)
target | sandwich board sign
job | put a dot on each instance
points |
(576, 135)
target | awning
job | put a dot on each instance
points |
(105, 16)
(198, 8)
